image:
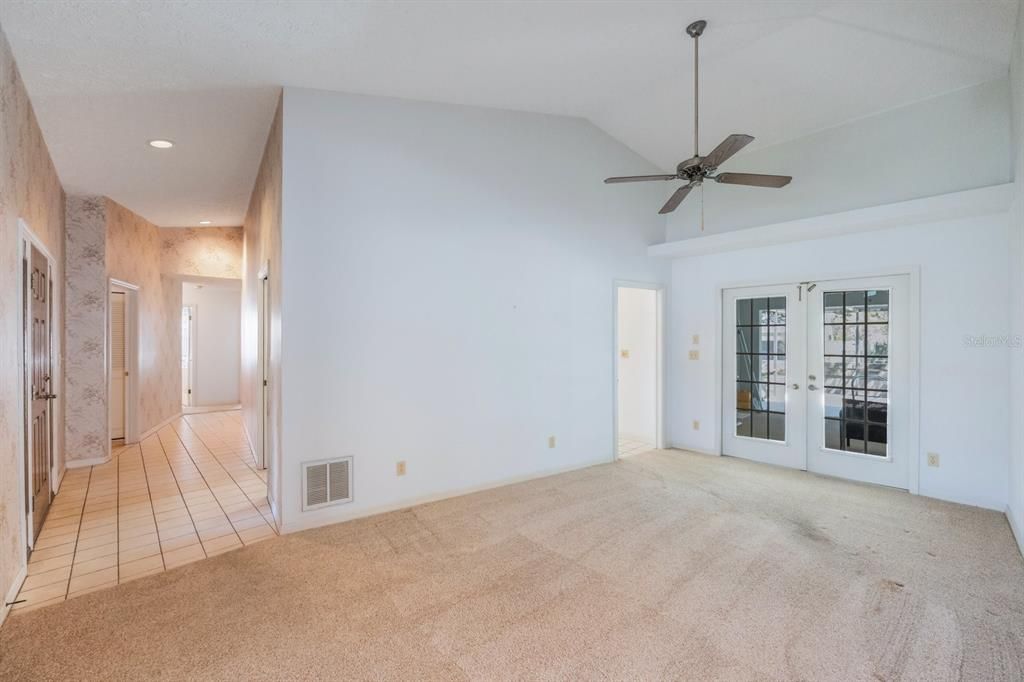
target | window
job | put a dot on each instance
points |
(856, 380)
(761, 368)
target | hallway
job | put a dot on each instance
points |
(186, 493)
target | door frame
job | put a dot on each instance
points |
(193, 312)
(263, 306)
(27, 239)
(913, 273)
(659, 399)
(131, 359)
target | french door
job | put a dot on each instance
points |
(816, 377)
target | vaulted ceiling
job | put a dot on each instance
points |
(107, 77)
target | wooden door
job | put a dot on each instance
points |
(39, 290)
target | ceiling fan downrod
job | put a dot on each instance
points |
(695, 30)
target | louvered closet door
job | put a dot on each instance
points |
(117, 364)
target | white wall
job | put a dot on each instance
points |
(953, 142)
(448, 293)
(638, 373)
(965, 390)
(1015, 509)
(217, 321)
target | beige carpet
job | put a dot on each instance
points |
(663, 566)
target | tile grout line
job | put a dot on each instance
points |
(183, 501)
(209, 487)
(81, 518)
(226, 470)
(152, 512)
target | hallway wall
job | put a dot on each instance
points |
(217, 322)
(106, 240)
(30, 190)
(262, 229)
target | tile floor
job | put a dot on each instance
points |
(188, 492)
(628, 446)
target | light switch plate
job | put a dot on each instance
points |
(696, 425)
(551, 441)
(696, 339)
(400, 468)
(933, 459)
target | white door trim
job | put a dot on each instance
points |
(913, 272)
(193, 335)
(263, 304)
(659, 413)
(131, 359)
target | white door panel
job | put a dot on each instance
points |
(762, 399)
(859, 358)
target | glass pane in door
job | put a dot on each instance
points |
(856, 381)
(761, 368)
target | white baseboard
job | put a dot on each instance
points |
(200, 409)
(12, 593)
(83, 463)
(1018, 533)
(149, 432)
(699, 451)
(340, 516)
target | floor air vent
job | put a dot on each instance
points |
(326, 482)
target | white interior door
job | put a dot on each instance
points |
(118, 364)
(764, 413)
(859, 353)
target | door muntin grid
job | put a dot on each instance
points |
(856, 370)
(761, 368)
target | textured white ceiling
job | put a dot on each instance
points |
(106, 77)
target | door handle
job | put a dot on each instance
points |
(812, 387)
(44, 396)
(796, 387)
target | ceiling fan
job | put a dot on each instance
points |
(694, 171)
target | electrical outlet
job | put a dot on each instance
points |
(696, 425)
(695, 355)
(933, 459)
(551, 441)
(400, 468)
(696, 339)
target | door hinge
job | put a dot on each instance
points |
(264, 382)
(190, 391)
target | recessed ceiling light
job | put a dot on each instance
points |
(205, 222)
(161, 144)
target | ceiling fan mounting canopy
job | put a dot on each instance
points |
(695, 170)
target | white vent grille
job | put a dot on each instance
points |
(326, 482)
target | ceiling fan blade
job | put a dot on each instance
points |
(726, 149)
(677, 198)
(639, 178)
(753, 179)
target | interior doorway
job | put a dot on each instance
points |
(122, 362)
(817, 376)
(638, 365)
(187, 354)
(263, 368)
(118, 364)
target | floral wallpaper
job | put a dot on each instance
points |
(203, 251)
(85, 299)
(29, 190)
(133, 255)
